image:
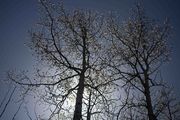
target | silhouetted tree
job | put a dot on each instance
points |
(86, 61)
(169, 109)
(139, 47)
(72, 47)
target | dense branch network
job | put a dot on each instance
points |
(94, 68)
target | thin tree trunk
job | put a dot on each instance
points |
(169, 111)
(88, 116)
(89, 106)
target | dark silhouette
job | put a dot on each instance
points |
(88, 59)
(140, 48)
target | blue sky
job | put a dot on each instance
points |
(18, 16)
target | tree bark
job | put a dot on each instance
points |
(151, 114)
(88, 116)
(88, 109)
(78, 105)
(79, 97)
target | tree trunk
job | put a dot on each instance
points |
(89, 106)
(88, 116)
(151, 114)
(169, 111)
(78, 105)
(79, 97)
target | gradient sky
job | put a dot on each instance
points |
(18, 16)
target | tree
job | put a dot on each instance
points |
(170, 107)
(71, 45)
(85, 61)
(140, 48)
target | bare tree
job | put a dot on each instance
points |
(140, 48)
(71, 46)
(84, 60)
(169, 109)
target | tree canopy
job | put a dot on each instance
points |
(95, 68)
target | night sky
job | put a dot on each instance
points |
(19, 16)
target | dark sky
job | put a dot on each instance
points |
(18, 16)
